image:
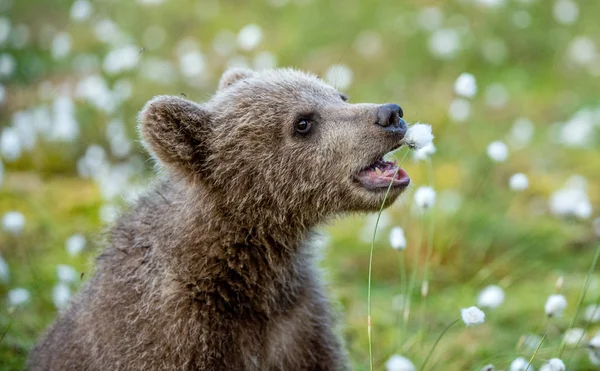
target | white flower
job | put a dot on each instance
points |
(61, 295)
(4, 270)
(592, 314)
(399, 363)
(444, 43)
(472, 316)
(555, 305)
(497, 151)
(61, 45)
(418, 136)
(491, 297)
(595, 343)
(496, 96)
(594, 357)
(425, 152)
(574, 336)
(250, 37)
(13, 222)
(518, 182)
(425, 197)
(459, 110)
(554, 364)
(121, 59)
(81, 10)
(18, 296)
(397, 238)
(10, 144)
(340, 76)
(521, 133)
(66, 273)
(520, 364)
(570, 201)
(565, 11)
(465, 85)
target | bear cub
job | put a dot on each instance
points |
(212, 268)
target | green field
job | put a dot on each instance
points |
(73, 78)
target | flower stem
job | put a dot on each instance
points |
(422, 368)
(581, 297)
(369, 326)
(536, 350)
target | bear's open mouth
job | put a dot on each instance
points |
(380, 174)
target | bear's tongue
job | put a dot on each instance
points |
(381, 173)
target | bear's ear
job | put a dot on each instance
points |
(234, 75)
(175, 131)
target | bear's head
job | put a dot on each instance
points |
(280, 144)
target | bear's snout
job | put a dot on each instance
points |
(389, 117)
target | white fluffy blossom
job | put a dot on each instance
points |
(66, 273)
(444, 43)
(397, 238)
(491, 297)
(18, 296)
(459, 110)
(594, 350)
(554, 364)
(571, 201)
(574, 336)
(425, 197)
(399, 363)
(521, 133)
(472, 316)
(555, 305)
(520, 364)
(250, 37)
(565, 11)
(591, 313)
(81, 10)
(518, 182)
(61, 293)
(75, 244)
(425, 152)
(465, 85)
(418, 136)
(497, 151)
(13, 222)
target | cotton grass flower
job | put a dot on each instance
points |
(465, 85)
(61, 294)
(594, 350)
(459, 110)
(472, 316)
(518, 182)
(425, 152)
(13, 222)
(66, 273)
(18, 296)
(397, 238)
(425, 197)
(554, 364)
(574, 336)
(399, 363)
(497, 151)
(418, 136)
(591, 313)
(250, 37)
(555, 305)
(520, 364)
(491, 297)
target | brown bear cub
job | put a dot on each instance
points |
(211, 269)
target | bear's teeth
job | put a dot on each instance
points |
(378, 171)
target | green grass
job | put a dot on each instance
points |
(496, 236)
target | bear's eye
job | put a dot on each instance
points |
(303, 126)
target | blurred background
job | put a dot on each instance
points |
(511, 88)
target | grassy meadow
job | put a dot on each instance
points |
(73, 76)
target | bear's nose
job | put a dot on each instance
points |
(389, 116)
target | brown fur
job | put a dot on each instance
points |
(211, 269)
